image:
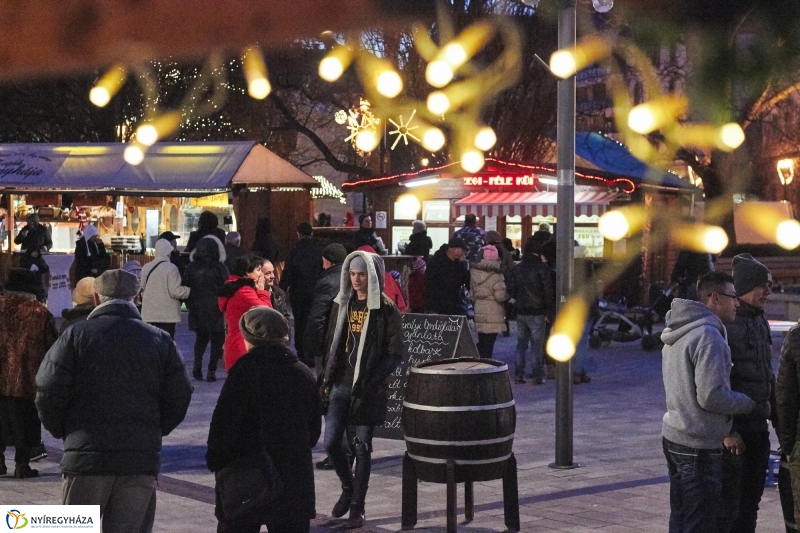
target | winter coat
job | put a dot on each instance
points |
(696, 365)
(368, 237)
(488, 292)
(38, 236)
(78, 313)
(205, 278)
(195, 236)
(532, 287)
(443, 281)
(392, 290)
(380, 347)
(91, 258)
(236, 297)
(27, 330)
(787, 392)
(750, 342)
(419, 244)
(416, 286)
(473, 237)
(302, 269)
(270, 386)
(111, 387)
(162, 291)
(231, 253)
(221, 254)
(278, 299)
(317, 325)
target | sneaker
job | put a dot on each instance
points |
(519, 381)
(38, 453)
(25, 471)
(343, 505)
(325, 464)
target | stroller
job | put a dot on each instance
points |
(617, 322)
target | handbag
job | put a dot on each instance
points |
(248, 484)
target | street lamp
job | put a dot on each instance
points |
(785, 173)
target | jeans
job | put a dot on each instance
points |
(486, 344)
(530, 329)
(695, 487)
(743, 483)
(335, 426)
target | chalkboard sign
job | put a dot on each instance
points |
(425, 338)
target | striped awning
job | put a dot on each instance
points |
(492, 204)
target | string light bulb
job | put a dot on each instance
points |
(438, 103)
(655, 114)
(730, 137)
(158, 128)
(107, 86)
(433, 139)
(788, 234)
(133, 154)
(564, 63)
(367, 140)
(700, 238)
(389, 84)
(485, 139)
(255, 73)
(472, 160)
(335, 63)
(618, 223)
(454, 54)
(438, 73)
(567, 329)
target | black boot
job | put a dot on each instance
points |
(197, 370)
(357, 517)
(23, 471)
(212, 376)
(342, 506)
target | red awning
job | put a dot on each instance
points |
(492, 204)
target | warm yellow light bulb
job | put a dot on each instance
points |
(146, 134)
(567, 329)
(438, 103)
(438, 73)
(433, 139)
(99, 96)
(366, 141)
(560, 347)
(714, 239)
(642, 120)
(485, 139)
(613, 225)
(389, 84)
(455, 54)
(133, 154)
(730, 137)
(107, 86)
(788, 234)
(331, 69)
(472, 160)
(159, 127)
(259, 88)
(563, 63)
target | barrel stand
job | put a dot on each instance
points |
(409, 496)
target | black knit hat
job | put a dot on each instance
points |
(749, 274)
(335, 253)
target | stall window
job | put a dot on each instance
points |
(436, 211)
(514, 230)
(400, 237)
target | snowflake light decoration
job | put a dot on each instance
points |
(403, 130)
(340, 116)
(359, 118)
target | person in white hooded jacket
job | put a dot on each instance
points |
(696, 366)
(162, 291)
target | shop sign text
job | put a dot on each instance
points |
(499, 181)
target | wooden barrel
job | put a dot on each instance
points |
(460, 409)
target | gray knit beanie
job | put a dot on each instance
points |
(358, 264)
(749, 274)
(263, 325)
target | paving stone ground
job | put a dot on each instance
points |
(621, 485)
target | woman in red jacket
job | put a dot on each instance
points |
(390, 286)
(243, 290)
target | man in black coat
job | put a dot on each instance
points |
(34, 233)
(111, 387)
(446, 274)
(531, 290)
(747, 448)
(268, 402)
(300, 274)
(363, 347)
(324, 293)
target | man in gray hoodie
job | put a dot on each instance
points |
(696, 368)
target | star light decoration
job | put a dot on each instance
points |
(403, 130)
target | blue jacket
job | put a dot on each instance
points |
(110, 387)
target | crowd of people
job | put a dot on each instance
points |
(111, 383)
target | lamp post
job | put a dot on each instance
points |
(785, 173)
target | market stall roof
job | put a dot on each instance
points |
(491, 204)
(178, 168)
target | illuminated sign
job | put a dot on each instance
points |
(500, 181)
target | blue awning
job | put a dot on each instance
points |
(612, 156)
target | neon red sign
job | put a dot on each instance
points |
(499, 181)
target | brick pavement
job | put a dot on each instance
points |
(621, 485)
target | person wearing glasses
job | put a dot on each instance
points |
(696, 366)
(747, 448)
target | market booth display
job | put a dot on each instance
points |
(70, 185)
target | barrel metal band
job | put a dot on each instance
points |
(454, 372)
(459, 442)
(459, 461)
(455, 409)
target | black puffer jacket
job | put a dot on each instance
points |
(532, 287)
(302, 269)
(111, 387)
(419, 244)
(326, 290)
(750, 341)
(787, 392)
(443, 281)
(205, 276)
(270, 386)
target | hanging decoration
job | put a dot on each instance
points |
(327, 189)
(403, 130)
